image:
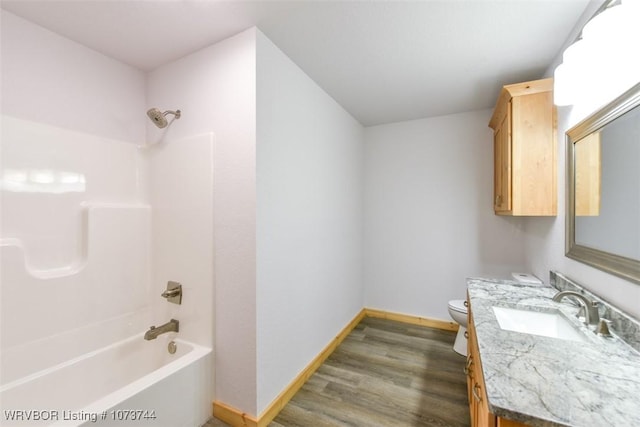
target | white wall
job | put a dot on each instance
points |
(429, 220)
(309, 219)
(215, 90)
(544, 238)
(52, 80)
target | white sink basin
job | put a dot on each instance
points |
(552, 325)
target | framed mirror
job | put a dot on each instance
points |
(603, 188)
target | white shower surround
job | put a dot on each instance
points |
(106, 100)
(75, 261)
(82, 218)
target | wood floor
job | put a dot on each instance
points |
(384, 373)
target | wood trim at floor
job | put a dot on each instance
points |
(414, 320)
(237, 418)
(233, 416)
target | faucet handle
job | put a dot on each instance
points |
(603, 328)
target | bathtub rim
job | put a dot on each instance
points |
(195, 353)
(123, 393)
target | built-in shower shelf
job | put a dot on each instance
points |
(101, 225)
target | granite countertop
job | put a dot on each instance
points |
(543, 381)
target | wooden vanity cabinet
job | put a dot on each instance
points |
(479, 411)
(524, 146)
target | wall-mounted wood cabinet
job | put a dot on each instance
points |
(525, 174)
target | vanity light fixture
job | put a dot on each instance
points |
(600, 63)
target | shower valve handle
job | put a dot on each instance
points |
(173, 293)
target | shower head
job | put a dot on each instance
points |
(158, 117)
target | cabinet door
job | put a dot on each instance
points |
(480, 415)
(502, 164)
(468, 370)
(502, 422)
(470, 382)
(533, 155)
(483, 418)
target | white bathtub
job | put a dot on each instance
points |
(130, 383)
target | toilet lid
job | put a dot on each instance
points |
(458, 305)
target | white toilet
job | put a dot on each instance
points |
(458, 312)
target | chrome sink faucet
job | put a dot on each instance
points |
(171, 326)
(590, 308)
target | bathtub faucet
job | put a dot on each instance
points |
(171, 326)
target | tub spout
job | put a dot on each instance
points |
(171, 326)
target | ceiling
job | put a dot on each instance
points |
(383, 61)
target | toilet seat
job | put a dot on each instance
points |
(458, 305)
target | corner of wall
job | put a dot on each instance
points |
(215, 88)
(309, 219)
